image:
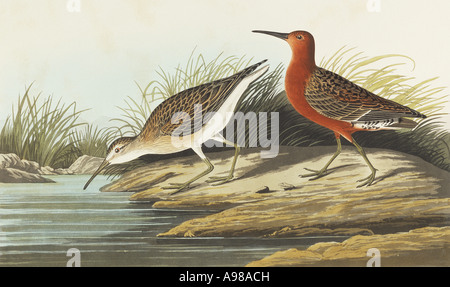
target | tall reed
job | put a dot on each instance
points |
(39, 129)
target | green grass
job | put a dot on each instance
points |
(51, 133)
(40, 130)
(91, 140)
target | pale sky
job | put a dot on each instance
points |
(94, 56)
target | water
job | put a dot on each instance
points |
(39, 223)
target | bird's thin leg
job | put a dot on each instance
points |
(182, 186)
(368, 180)
(319, 173)
(222, 179)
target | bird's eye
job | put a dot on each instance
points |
(117, 150)
(299, 37)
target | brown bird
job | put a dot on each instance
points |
(336, 103)
(186, 120)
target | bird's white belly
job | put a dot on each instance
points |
(226, 112)
(222, 117)
(216, 123)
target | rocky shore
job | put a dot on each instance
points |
(426, 246)
(269, 199)
(405, 214)
(16, 170)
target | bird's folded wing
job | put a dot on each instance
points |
(184, 113)
(338, 98)
(190, 108)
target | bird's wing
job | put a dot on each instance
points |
(338, 98)
(186, 111)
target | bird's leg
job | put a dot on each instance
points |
(182, 186)
(319, 173)
(368, 180)
(222, 179)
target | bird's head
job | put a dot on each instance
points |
(119, 151)
(301, 42)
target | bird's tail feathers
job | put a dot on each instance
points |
(256, 74)
(388, 124)
(403, 124)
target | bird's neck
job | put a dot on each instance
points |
(300, 69)
(303, 59)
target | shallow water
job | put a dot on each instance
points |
(39, 223)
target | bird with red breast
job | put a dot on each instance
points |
(336, 103)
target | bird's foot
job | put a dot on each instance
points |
(315, 174)
(218, 180)
(368, 180)
(178, 186)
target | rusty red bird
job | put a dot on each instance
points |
(336, 103)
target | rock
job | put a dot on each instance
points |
(288, 258)
(12, 160)
(47, 170)
(13, 175)
(9, 160)
(30, 166)
(63, 171)
(15, 170)
(428, 246)
(130, 184)
(84, 165)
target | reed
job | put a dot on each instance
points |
(91, 140)
(39, 129)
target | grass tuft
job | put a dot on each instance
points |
(92, 141)
(40, 130)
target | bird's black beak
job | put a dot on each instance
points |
(283, 36)
(104, 164)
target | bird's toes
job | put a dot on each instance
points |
(367, 181)
(215, 178)
(178, 186)
(218, 180)
(315, 174)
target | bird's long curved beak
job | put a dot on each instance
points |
(283, 36)
(104, 164)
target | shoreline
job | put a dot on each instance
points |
(268, 199)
